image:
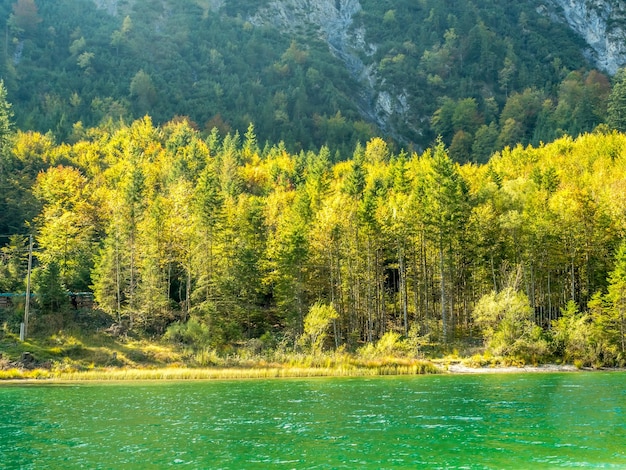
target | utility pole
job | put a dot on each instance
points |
(24, 328)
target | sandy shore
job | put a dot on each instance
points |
(462, 369)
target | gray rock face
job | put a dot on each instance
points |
(333, 22)
(601, 23)
(109, 5)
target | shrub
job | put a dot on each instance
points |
(316, 323)
(390, 344)
(506, 320)
(193, 333)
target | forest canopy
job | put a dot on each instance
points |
(227, 185)
(482, 74)
(167, 227)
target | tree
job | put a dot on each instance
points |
(522, 109)
(316, 324)
(446, 210)
(571, 334)
(616, 110)
(506, 320)
(466, 117)
(143, 90)
(25, 16)
(119, 36)
(484, 143)
(13, 260)
(51, 293)
(461, 147)
(6, 126)
(67, 225)
(208, 206)
(6, 166)
(615, 317)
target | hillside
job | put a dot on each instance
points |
(214, 243)
(307, 73)
(298, 176)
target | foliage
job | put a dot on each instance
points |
(616, 118)
(463, 64)
(506, 320)
(570, 335)
(316, 323)
(391, 344)
(608, 342)
(193, 332)
(51, 294)
(230, 241)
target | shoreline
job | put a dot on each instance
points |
(264, 373)
(459, 369)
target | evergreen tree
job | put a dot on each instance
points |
(616, 109)
(615, 320)
(6, 125)
(6, 166)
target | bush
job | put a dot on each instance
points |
(506, 320)
(390, 344)
(570, 335)
(193, 333)
(316, 323)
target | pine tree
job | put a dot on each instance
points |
(616, 326)
(616, 110)
(6, 126)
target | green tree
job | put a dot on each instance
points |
(51, 293)
(444, 200)
(67, 225)
(571, 334)
(484, 143)
(6, 125)
(522, 109)
(316, 324)
(208, 202)
(142, 89)
(7, 185)
(506, 320)
(466, 117)
(13, 261)
(120, 36)
(616, 109)
(615, 317)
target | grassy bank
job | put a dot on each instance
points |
(217, 373)
(75, 355)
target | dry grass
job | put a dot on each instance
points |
(260, 372)
(73, 355)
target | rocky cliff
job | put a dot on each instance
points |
(333, 22)
(385, 101)
(601, 23)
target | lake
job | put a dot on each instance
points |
(458, 421)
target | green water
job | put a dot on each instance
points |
(477, 421)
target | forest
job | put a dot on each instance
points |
(295, 225)
(216, 240)
(482, 74)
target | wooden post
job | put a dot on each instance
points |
(24, 331)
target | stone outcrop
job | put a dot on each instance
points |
(333, 22)
(601, 23)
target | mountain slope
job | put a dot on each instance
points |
(601, 23)
(307, 72)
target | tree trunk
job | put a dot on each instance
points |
(442, 286)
